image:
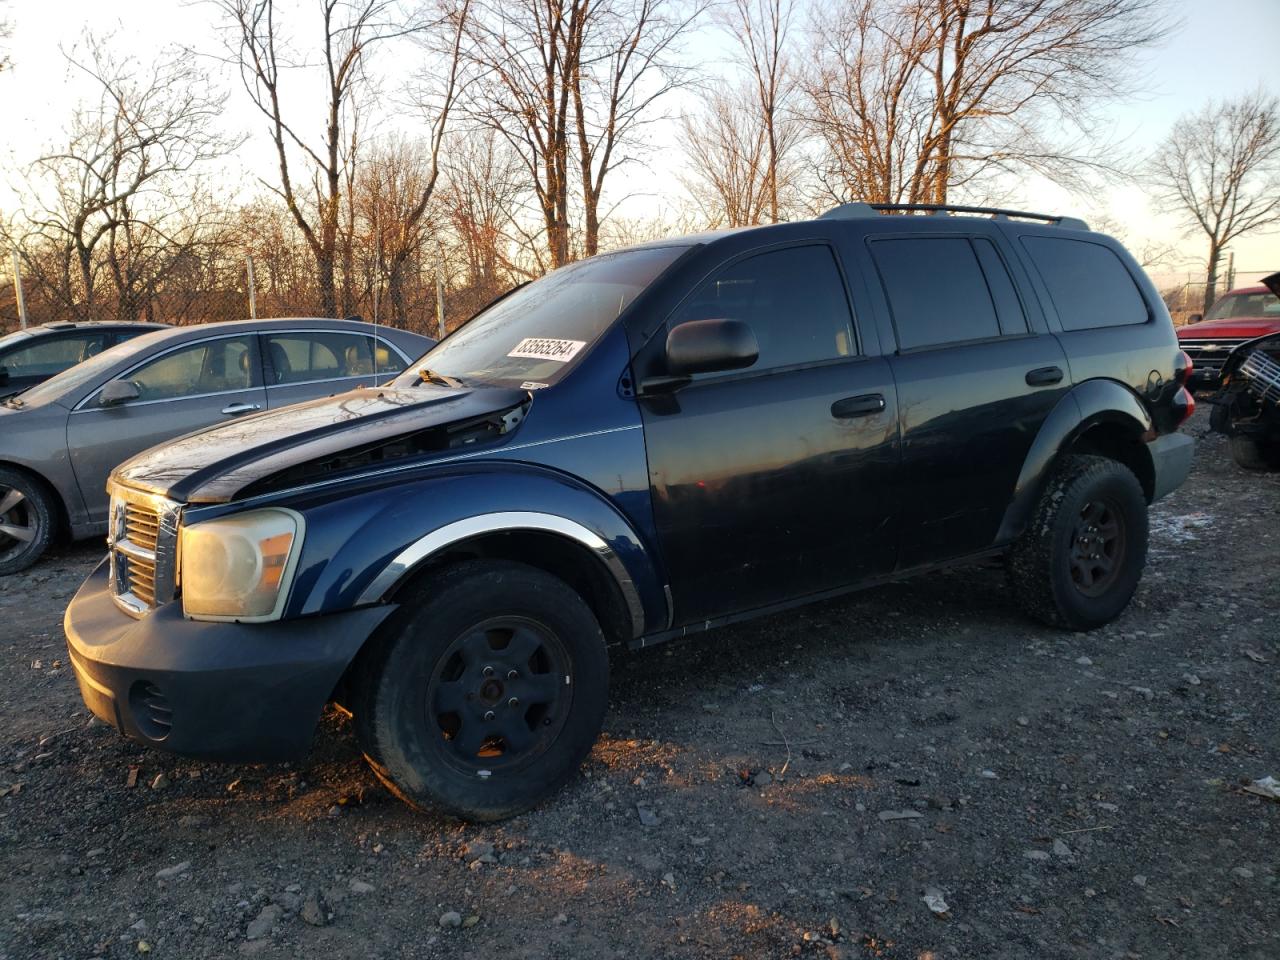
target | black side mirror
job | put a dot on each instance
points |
(704, 346)
(118, 391)
(1195, 318)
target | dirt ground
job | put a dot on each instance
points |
(792, 787)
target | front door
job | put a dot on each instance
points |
(192, 386)
(775, 482)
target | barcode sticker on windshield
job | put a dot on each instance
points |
(544, 348)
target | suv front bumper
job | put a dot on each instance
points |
(220, 691)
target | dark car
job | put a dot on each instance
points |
(60, 439)
(638, 447)
(31, 356)
(1247, 408)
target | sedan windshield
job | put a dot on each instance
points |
(532, 337)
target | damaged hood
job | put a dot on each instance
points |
(313, 440)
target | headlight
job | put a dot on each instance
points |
(239, 567)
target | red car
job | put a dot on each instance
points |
(1236, 316)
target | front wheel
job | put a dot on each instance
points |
(1080, 559)
(26, 520)
(485, 693)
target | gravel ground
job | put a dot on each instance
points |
(793, 787)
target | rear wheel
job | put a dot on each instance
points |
(485, 693)
(1253, 453)
(1080, 559)
(26, 520)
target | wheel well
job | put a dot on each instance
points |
(62, 518)
(572, 562)
(1120, 442)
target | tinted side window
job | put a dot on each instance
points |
(1013, 320)
(214, 366)
(1088, 283)
(51, 355)
(793, 299)
(936, 290)
(300, 357)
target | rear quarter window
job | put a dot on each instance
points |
(1089, 285)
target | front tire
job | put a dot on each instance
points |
(26, 520)
(485, 693)
(1079, 562)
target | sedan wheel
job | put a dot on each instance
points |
(26, 521)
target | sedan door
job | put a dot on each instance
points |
(185, 388)
(306, 364)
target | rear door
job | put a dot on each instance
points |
(977, 373)
(305, 364)
(185, 388)
(774, 482)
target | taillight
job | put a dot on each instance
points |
(1185, 404)
(1183, 369)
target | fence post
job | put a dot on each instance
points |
(253, 297)
(17, 289)
(439, 290)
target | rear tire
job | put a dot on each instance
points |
(1079, 561)
(1250, 453)
(485, 693)
(27, 517)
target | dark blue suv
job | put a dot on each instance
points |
(636, 447)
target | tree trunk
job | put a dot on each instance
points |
(1211, 280)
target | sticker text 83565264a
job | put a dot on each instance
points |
(545, 348)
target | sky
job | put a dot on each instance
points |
(1223, 48)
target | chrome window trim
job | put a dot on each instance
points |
(156, 356)
(459, 530)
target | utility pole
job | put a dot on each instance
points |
(17, 289)
(1231, 269)
(253, 296)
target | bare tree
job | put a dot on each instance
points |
(568, 84)
(105, 200)
(914, 98)
(1219, 169)
(726, 152)
(349, 31)
(6, 32)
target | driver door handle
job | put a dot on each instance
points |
(862, 406)
(1044, 376)
(235, 409)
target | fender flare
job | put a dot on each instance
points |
(361, 545)
(1081, 408)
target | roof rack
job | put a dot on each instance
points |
(860, 210)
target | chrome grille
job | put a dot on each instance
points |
(1209, 353)
(1263, 375)
(143, 539)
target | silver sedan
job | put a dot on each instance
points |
(60, 439)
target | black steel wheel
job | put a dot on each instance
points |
(1084, 549)
(1097, 547)
(484, 693)
(26, 520)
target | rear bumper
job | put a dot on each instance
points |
(1171, 457)
(220, 691)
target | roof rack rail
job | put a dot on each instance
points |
(861, 210)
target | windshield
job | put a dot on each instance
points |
(1259, 304)
(74, 377)
(532, 337)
